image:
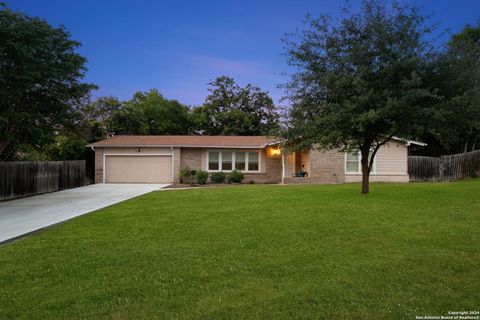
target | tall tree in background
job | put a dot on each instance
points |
(232, 110)
(161, 115)
(40, 80)
(457, 127)
(360, 80)
(127, 122)
(97, 115)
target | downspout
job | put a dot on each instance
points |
(173, 165)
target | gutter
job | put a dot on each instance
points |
(173, 146)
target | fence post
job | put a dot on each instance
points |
(441, 169)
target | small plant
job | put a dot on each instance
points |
(185, 172)
(193, 173)
(235, 177)
(201, 177)
(218, 177)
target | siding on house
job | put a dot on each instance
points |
(392, 158)
(391, 164)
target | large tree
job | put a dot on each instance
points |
(457, 77)
(97, 116)
(360, 80)
(232, 110)
(161, 115)
(40, 81)
(150, 113)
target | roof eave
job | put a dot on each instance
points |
(172, 145)
(408, 143)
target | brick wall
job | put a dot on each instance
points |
(272, 171)
(177, 158)
(327, 166)
(98, 165)
(192, 158)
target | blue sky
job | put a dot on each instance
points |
(179, 46)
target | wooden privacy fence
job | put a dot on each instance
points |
(445, 168)
(21, 179)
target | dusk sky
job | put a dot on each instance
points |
(177, 47)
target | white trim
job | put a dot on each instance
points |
(418, 143)
(359, 172)
(133, 155)
(283, 165)
(409, 142)
(233, 151)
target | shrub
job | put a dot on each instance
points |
(201, 177)
(218, 177)
(193, 173)
(185, 172)
(235, 177)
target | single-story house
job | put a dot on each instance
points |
(159, 159)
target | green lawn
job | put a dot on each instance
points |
(270, 252)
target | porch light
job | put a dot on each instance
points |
(276, 152)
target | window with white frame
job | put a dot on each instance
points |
(227, 161)
(252, 163)
(353, 162)
(213, 161)
(240, 161)
(247, 161)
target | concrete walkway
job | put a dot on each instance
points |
(22, 216)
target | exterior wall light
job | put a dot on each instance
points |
(275, 152)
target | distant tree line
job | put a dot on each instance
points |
(370, 74)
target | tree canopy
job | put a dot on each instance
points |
(40, 77)
(455, 127)
(360, 79)
(161, 115)
(232, 110)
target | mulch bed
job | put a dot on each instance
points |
(208, 185)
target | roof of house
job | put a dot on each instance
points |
(186, 141)
(201, 141)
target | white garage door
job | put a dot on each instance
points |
(138, 169)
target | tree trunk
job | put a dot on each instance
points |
(474, 145)
(365, 172)
(3, 146)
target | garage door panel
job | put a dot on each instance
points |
(138, 169)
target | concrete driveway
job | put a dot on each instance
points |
(22, 216)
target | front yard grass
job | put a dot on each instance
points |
(270, 252)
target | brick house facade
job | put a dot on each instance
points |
(140, 159)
